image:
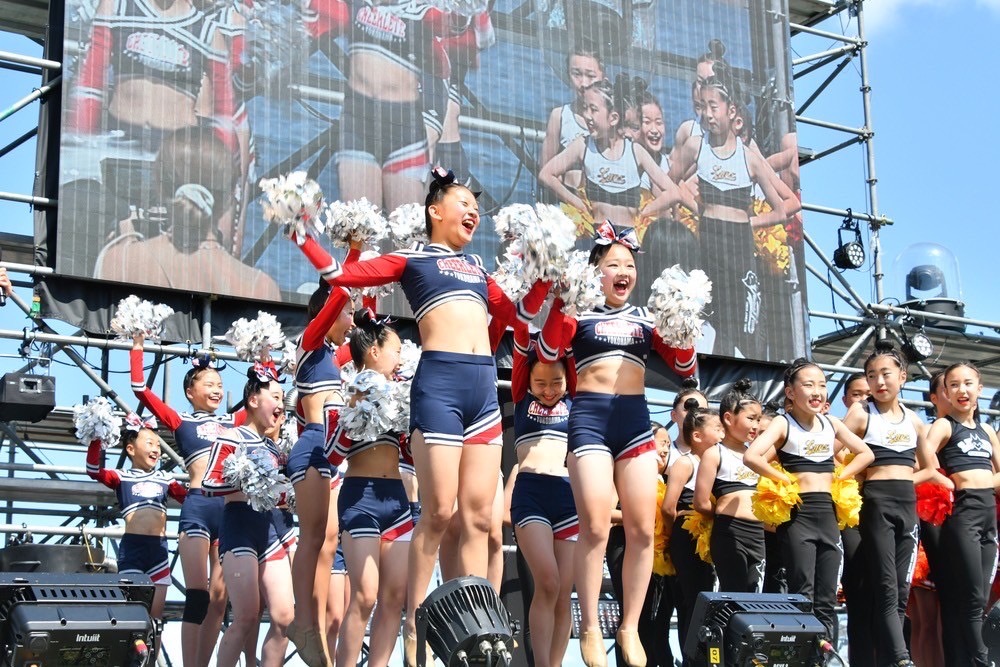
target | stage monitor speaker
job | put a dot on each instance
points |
(465, 623)
(744, 629)
(27, 398)
(51, 620)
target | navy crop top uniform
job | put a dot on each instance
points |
(453, 396)
(137, 491)
(969, 537)
(615, 425)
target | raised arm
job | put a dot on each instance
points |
(557, 332)
(163, 412)
(368, 273)
(95, 466)
(684, 361)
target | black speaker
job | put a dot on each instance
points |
(27, 398)
(744, 629)
(76, 619)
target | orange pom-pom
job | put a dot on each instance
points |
(934, 502)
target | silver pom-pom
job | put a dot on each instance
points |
(375, 410)
(677, 301)
(255, 472)
(461, 7)
(287, 438)
(357, 220)
(376, 292)
(542, 237)
(254, 339)
(135, 316)
(286, 364)
(294, 200)
(347, 372)
(581, 283)
(509, 275)
(96, 420)
(409, 359)
(407, 226)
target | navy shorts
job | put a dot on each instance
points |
(339, 564)
(375, 507)
(284, 528)
(144, 554)
(201, 515)
(308, 452)
(610, 424)
(546, 499)
(247, 532)
(453, 399)
(434, 95)
(390, 135)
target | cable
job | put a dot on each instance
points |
(827, 648)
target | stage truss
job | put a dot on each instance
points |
(829, 58)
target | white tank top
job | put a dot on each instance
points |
(733, 475)
(569, 127)
(804, 451)
(892, 443)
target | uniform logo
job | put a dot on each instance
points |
(811, 448)
(158, 52)
(544, 414)
(744, 474)
(146, 490)
(459, 268)
(211, 430)
(619, 332)
(722, 175)
(894, 437)
(380, 23)
(975, 445)
(607, 176)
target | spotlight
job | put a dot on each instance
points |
(918, 346)
(465, 622)
(850, 255)
(737, 629)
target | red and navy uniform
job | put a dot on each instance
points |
(612, 424)
(137, 490)
(245, 531)
(138, 41)
(431, 276)
(194, 434)
(317, 370)
(536, 497)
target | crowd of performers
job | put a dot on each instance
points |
(375, 515)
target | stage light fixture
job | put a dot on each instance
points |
(738, 629)
(465, 622)
(918, 346)
(849, 255)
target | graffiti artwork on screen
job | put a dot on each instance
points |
(674, 118)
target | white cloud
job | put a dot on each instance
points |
(882, 15)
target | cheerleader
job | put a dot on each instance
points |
(612, 163)
(142, 494)
(737, 544)
(254, 563)
(194, 432)
(703, 71)
(566, 122)
(317, 382)
(804, 440)
(609, 435)
(541, 506)
(374, 511)
(727, 171)
(454, 416)
(888, 522)
(970, 455)
(701, 428)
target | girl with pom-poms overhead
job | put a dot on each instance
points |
(243, 468)
(609, 434)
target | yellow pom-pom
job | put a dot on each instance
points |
(847, 499)
(662, 565)
(700, 527)
(773, 501)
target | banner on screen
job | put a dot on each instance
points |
(673, 117)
